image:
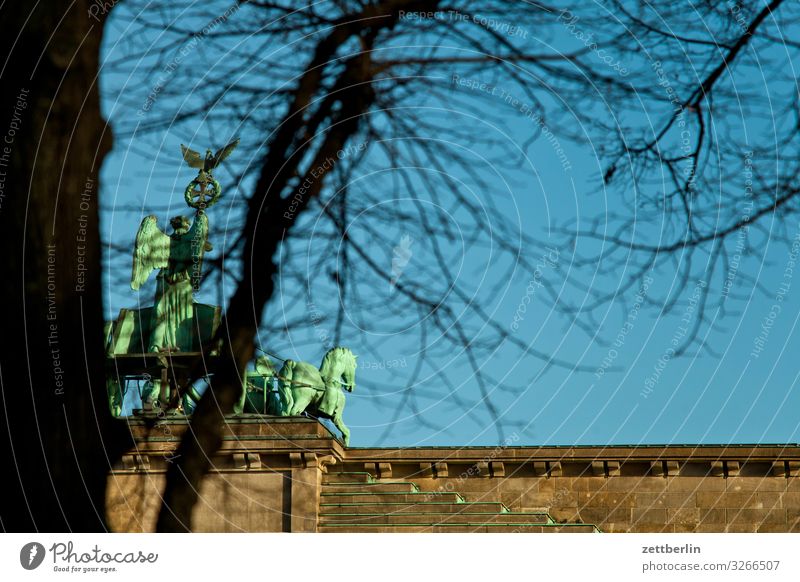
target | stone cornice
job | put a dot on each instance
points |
(251, 442)
(772, 452)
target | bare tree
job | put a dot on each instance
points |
(426, 94)
(707, 170)
(426, 88)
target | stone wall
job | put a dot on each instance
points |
(620, 489)
(229, 502)
(267, 477)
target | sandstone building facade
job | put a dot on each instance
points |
(292, 475)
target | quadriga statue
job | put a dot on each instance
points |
(304, 388)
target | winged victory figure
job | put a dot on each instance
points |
(179, 257)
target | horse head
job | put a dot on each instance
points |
(340, 364)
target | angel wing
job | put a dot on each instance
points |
(150, 252)
(193, 158)
(224, 152)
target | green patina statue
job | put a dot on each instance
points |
(258, 394)
(304, 388)
(176, 328)
(153, 346)
(179, 257)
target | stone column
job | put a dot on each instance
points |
(306, 483)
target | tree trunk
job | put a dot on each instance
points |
(60, 436)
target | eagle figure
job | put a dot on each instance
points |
(207, 164)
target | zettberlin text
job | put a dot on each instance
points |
(667, 549)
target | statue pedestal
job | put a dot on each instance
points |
(266, 477)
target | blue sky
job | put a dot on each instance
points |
(740, 395)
